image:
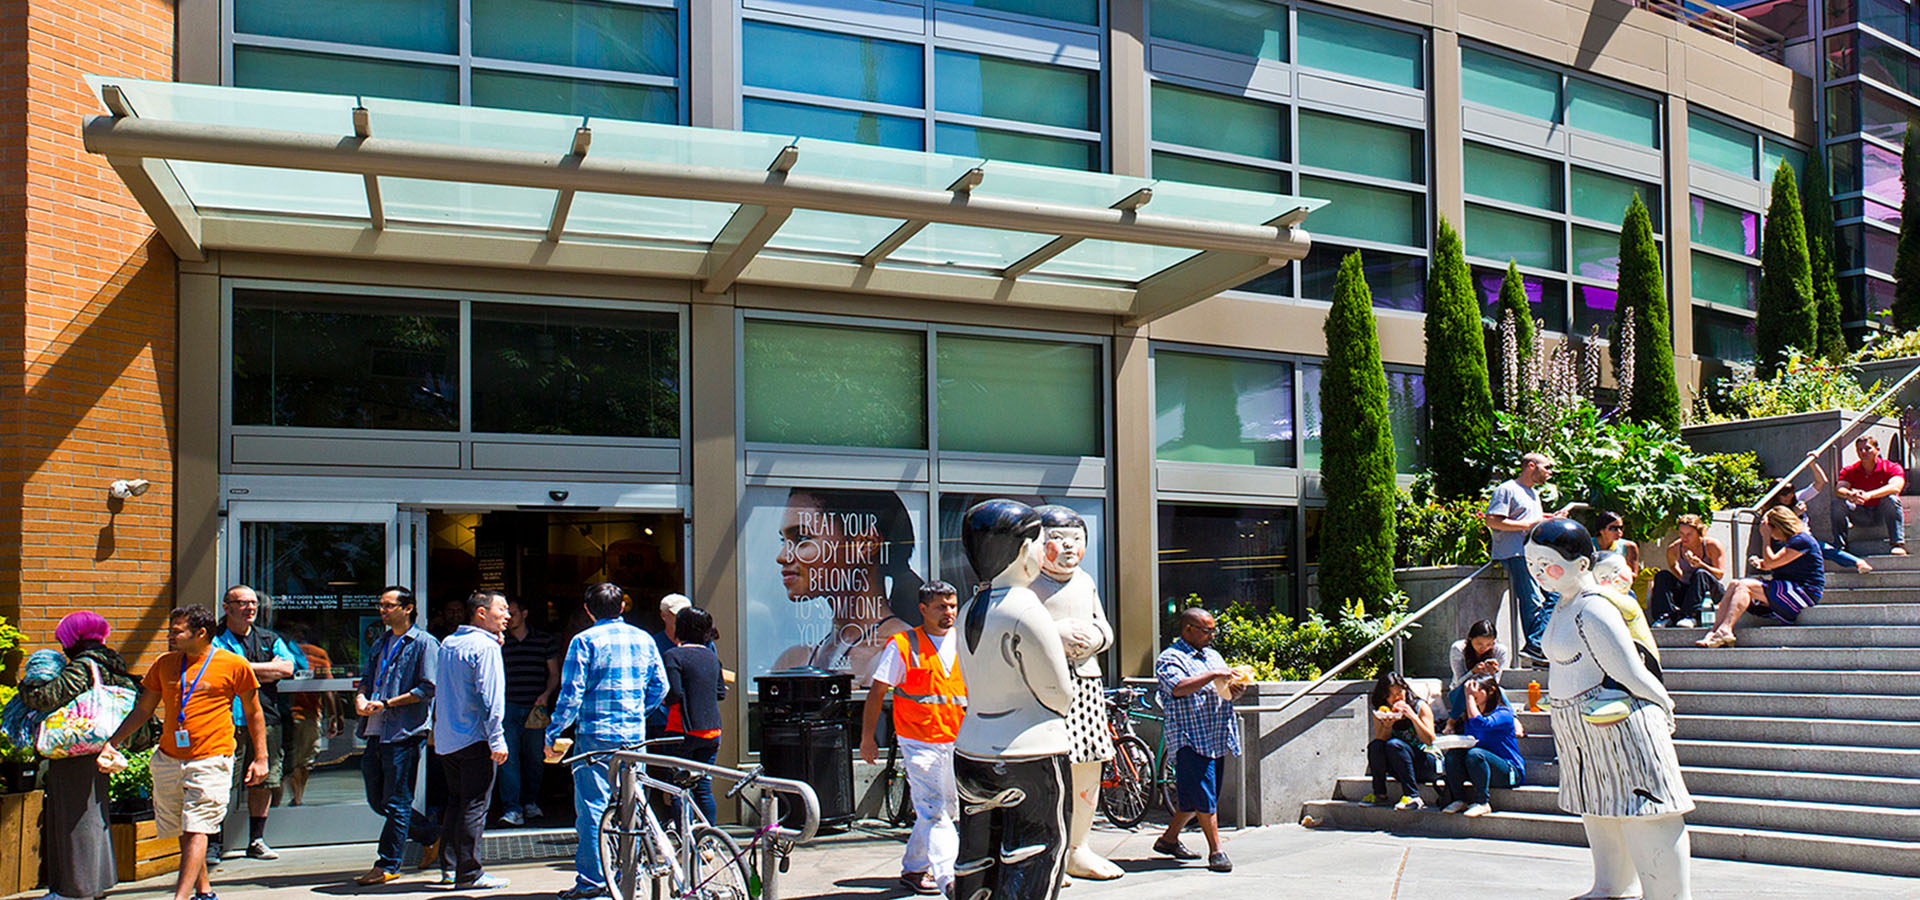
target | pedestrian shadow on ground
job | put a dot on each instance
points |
(880, 883)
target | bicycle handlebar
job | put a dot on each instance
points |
(809, 801)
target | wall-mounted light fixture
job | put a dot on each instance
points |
(127, 489)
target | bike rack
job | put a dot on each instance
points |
(765, 805)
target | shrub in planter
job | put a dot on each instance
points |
(1279, 648)
(130, 790)
(1433, 532)
(1802, 385)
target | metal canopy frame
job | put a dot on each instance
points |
(1222, 253)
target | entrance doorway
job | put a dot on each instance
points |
(320, 567)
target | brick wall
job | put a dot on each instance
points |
(86, 334)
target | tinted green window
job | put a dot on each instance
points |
(427, 25)
(1723, 227)
(864, 68)
(1361, 50)
(803, 120)
(1616, 114)
(1085, 12)
(615, 36)
(576, 96)
(1718, 335)
(292, 70)
(1010, 89)
(1406, 418)
(1773, 153)
(1246, 27)
(1513, 177)
(992, 143)
(1500, 235)
(1711, 142)
(1605, 197)
(823, 384)
(1051, 389)
(1724, 281)
(1219, 122)
(1396, 280)
(1843, 115)
(560, 370)
(1219, 174)
(1596, 254)
(1363, 148)
(1513, 86)
(1222, 409)
(1367, 213)
(326, 361)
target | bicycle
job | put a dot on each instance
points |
(1128, 782)
(896, 798)
(689, 859)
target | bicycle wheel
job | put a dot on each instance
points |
(896, 803)
(720, 870)
(624, 851)
(1126, 789)
(1169, 791)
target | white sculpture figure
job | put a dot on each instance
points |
(1071, 596)
(1612, 728)
(1010, 758)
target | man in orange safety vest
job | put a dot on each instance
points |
(922, 668)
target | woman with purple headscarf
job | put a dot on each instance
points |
(78, 851)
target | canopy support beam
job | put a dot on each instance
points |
(563, 202)
(154, 187)
(962, 188)
(1060, 245)
(747, 230)
(376, 211)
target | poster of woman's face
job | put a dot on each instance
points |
(829, 575)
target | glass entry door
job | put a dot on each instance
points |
(319, 569)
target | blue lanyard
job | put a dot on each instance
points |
(186, 690)
(390, 648)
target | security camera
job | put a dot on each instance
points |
(557, 496)
(125, 489)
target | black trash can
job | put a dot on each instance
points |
(804, 736)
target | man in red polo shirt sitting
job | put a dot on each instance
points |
(1868, 493)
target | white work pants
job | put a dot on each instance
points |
(935, 843)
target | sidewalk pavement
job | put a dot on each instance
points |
(1311, 864)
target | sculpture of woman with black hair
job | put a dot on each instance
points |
(1010, 758)
(855, 550)
(1612, 729)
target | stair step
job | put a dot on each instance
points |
(1763, 784)
(1890, 857)
(1792, 680)
(1800, 636)
(1813, 706)
(1896, 762)
(1830, 659)
(1875, 594)
(1756, 727)
(1862, 614)
(1880, 577)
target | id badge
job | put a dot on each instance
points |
(181, 740)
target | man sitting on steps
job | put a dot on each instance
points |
(1868, 492)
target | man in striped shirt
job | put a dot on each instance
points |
(612, 678)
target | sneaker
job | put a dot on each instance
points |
(1455, 806)
(584, 892)
(1376, 800)
(1174, 849)
(259, 850)
(1685, 623)
(920, 882)
(1477, 810)
(446, 878)
(208, 895)
(1532, 653)
(375, 875)
(481, 882)
(214, 852)
(532, 811)
(1219, 862)
(1411, 801)
(513, 817)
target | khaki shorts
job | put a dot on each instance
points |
(306, 743)
(190, 795)
(243, 754)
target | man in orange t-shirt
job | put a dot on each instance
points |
(194, 686)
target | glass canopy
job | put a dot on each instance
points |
(222, 168)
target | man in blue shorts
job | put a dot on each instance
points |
(1201, 733)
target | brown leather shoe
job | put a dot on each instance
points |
(375, 875)
(920, 882)
(430, 856)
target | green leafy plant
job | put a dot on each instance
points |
(1802, 385)
(1357, 441)
(135, 782)
(9, 752)
(1433, 532)
(10, 637)
(1279, 648)
(1896, 346)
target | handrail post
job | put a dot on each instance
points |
(1400, 654)
(769, 855)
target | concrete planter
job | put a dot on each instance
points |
(1425, 654)
(1782, 441)
(1884, 372)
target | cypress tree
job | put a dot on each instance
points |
(1357, 445)
(1513, 302)
(1787, 320)
(1656, 396)
(1906, 259)
(1459, 402)
(1817, 209)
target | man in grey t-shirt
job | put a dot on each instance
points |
(1512, 511)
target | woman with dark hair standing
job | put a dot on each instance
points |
(695, 688)
(1402, 742)
(78, 850)
(855, 550)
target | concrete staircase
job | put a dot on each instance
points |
(1801, 745)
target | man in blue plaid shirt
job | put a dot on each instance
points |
(612, 678)
(1200, 730)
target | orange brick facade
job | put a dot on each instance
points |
(87, 333)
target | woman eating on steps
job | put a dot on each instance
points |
(1402, 742)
